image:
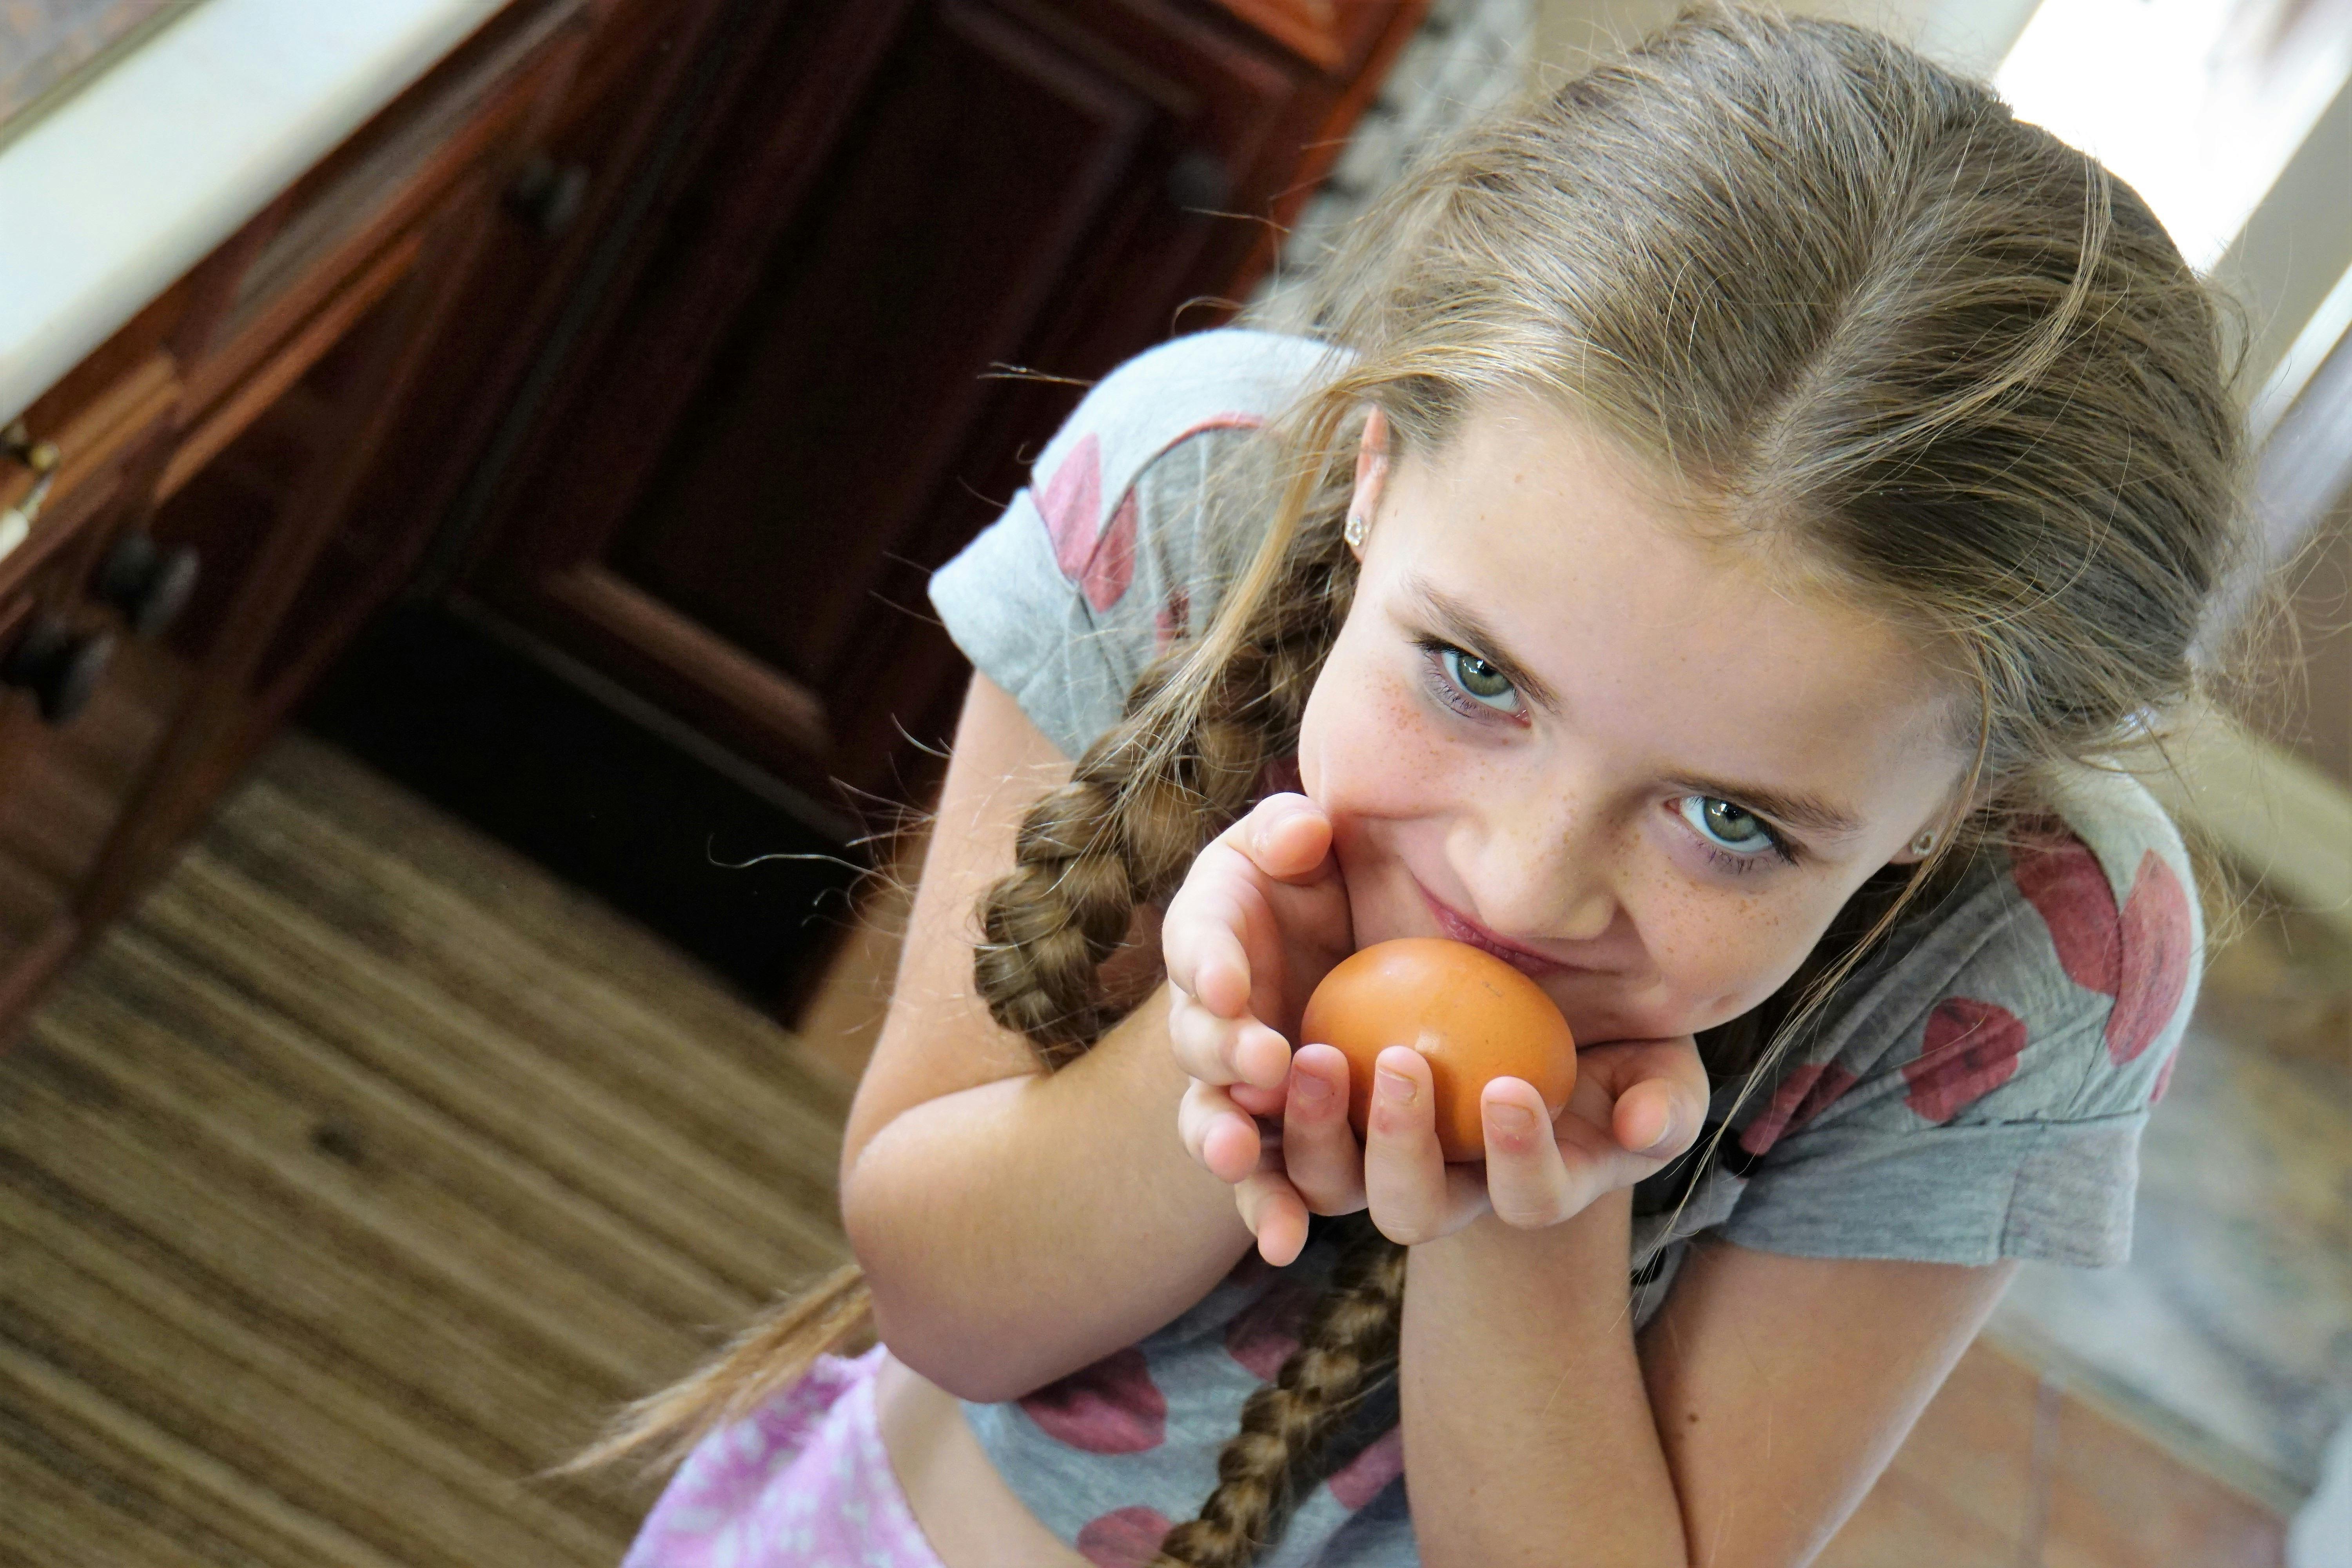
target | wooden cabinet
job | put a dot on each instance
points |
(807, 396)
(670, 331)
(87, 703)
(232, 427)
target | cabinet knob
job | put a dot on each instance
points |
(149, 584)
(548, 195)
(59, 665)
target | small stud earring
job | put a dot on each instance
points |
(1923, 844)
(1354, 532)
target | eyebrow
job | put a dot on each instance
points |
(1807, 813)
(1463, 624)
(1791, 808)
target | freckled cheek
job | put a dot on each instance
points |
(1368, 747)
(1720, 955)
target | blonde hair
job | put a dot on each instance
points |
(1946, 361)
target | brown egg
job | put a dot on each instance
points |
(1473, 1015)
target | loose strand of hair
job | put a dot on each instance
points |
(769, 1354)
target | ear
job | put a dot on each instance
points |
(1371, 469)
(1911, 854)
(1932, 833)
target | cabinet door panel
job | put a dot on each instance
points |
(798, 411)
(838, 397)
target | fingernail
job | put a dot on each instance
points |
(1396, 1087)
(1661, 1141)
(1507, 1116)
(1313, 1090)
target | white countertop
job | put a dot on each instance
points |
(108, 199)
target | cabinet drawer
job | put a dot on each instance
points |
(96, 444)
(336, 221)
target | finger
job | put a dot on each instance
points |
(1216, 1133)
(1528, 1183)
(1222, 1050)
(1404, 1170)
(1320, 1153)
(1286, 837)
(1644, 1120)
(1274, 1214)
(1201, 937)
(1258, 1103)
(1658, 1093)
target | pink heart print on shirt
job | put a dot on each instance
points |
(1110, 1408)
(1970, 1048)
(2139, 956)
(1264, 1334)
(1124, 1538)
(1099, 556)
(2065, 885)
(2158, 936)
(1363, 1477)
(1804, 1094)
(1100, 561)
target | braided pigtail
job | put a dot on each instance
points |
(1178, 768)
(1349, 1346)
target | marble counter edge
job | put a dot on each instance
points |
(117, 192)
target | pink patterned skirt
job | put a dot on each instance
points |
(802, 1482)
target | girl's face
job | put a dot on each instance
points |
(1639, 764)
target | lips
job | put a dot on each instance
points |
(1463, 929)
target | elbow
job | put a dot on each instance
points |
(931, 1334)
(944, 1359)
(931, 1328)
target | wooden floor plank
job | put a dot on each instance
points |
(74, 1520)
(334, 1452)
(674, 1010)
(2118, 1501)
(500, 1083)
(1974, 1443)
(1910, 1521)
(268, 1146)
(266, 1528)
(151, 1194)
(453, 949)
(355, 1178)
(307, 779)
(359, 1120)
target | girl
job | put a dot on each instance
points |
(1728, 509)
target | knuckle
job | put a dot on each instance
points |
(1402, 1230)
(1526, 1211)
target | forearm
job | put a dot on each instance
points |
(1528, 1432)
(1019, 1230)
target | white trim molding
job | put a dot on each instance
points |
(2277, 817)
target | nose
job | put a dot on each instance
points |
(1543, 868)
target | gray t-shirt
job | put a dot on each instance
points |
(1974, 1091)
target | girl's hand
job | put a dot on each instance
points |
(1637, 1105)
(1261, 917)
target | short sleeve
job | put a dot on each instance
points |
(1981, 1095)
(1114, 548)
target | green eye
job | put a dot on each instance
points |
(1726, 825)
(1480, 679)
